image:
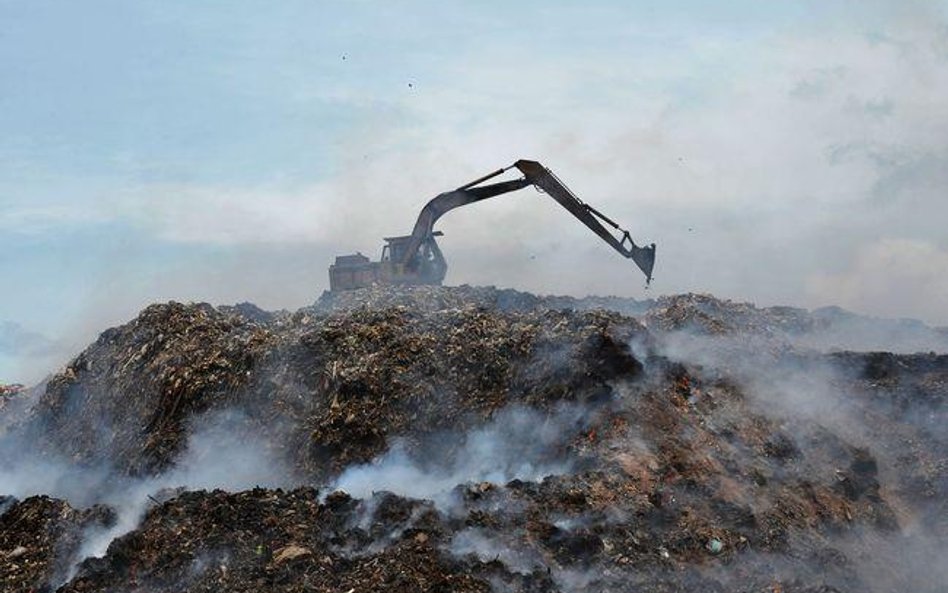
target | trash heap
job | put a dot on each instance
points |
(473, 439)
(9, 394)
(340, 383)
(434, 298)
(704, 314)
(39, 537)
(263, 540)
(126, 398)
(7, 391)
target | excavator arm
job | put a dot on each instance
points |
(543, 179)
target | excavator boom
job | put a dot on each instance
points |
(416, 258)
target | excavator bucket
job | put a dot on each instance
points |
(644, 258)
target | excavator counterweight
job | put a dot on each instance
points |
(417, 259)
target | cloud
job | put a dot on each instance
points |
(16, 339)
(27, 356)
(36, 220)
(230, 215)
(888, 277)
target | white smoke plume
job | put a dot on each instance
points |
(518, 443)
(218, 456)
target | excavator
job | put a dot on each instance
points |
(417, 259)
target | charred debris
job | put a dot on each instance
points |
(476, 439)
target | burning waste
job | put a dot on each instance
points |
(475, 439)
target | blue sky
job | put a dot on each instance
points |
(780, 152)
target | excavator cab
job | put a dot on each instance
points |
(426, 265)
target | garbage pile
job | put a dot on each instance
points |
(15, 402)
(38, 538)
(697, 314)
(7, 391)
(264, 540)
(737, 324)
(127, 397)
(434, 298)
(702, 313)
(426, 298)
(474, 439)
(339, 383)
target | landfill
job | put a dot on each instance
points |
(483, 439)
(7, 391)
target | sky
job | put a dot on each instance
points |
(776, 152)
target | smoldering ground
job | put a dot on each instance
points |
(701, 462)
(887, 415)
(219, 454)
(517, 444)
(822, 415)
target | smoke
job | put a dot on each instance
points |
(26, 355)
(518, 443)
(903, 562)
(219, 454)
(827, 419)
(834, 411)
(486, 548)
